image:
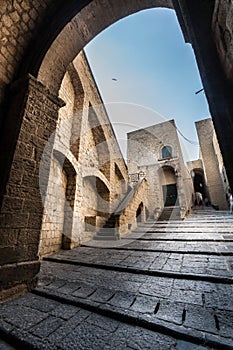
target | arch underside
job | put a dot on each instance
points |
(81, 29)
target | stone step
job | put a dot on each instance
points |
(167, 214)
(73, 322)
(106, 238)
(106, 232)
(171, 318)
(170, 270)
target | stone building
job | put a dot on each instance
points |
(208, 172)
(39, 41)
(155, 153)
(88, 176)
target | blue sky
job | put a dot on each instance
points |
(156, 73)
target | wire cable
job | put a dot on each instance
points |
(186, 139)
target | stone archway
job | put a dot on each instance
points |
(95, 205)
(57, 222)
(199, 183)
(30, 108)
(139, 213)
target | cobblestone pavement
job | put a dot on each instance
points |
(127, 295)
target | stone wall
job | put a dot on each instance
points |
(212, 163)
(223, 31)
(137, 197)
(145, 156)
(53, 219)
(85, 140)
(21, 213)
(17, 26)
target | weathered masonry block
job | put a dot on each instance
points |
(21, 213)
(223, 31)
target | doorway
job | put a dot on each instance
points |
(170, 195)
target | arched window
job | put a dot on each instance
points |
(166, 152)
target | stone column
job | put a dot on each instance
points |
(22, 208)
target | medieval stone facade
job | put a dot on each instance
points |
(155, 153)
(88, 176)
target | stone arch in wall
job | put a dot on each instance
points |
(168, 186)
(199, 182)
(56, 232)
(96, 197)
(120, 182)
(69, 120)
(100, 145)
(139, 212)
(82, 25)
(77, 110)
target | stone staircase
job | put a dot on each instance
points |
(170, 213)
(109, 232)
(167, 285)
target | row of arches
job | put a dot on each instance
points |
(62, 225)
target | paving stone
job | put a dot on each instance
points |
(64, 311)
(84, 291)
(69, 287)
(55, 284)
(138, 339)
(187, 296)
(183, 284)
(37, 303)
(160, 287)
(21, 316)
(144, 304)
(85, 336)
(122, 300)
(224, 321)
(46, 327)
(67, 327)
(200, 318)
(170, 311)
(102, 295)
(106, 323)
(221, 298)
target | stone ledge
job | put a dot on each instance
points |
(25, 280)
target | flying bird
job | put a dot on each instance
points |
(114, 79)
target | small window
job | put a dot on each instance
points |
(166, 152)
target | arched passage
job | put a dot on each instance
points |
(96, 197)
(56, 232)
(99, 145)
(139, 212)
(199, 182)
